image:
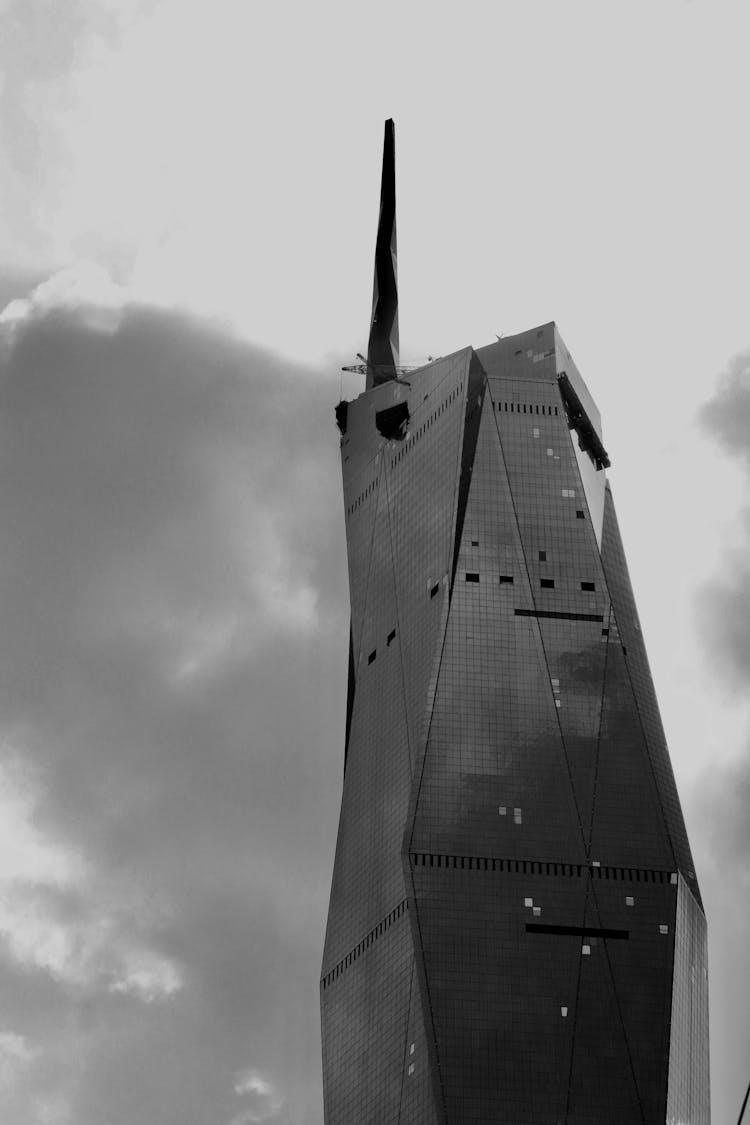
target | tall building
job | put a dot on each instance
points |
(515, 930)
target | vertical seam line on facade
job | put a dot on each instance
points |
(405, 1056)
(369, 572)
(599, 732)
(622, 1025)
(590, 889)
(647, 746)
(466, 379)
(429, 1000)
(539, 628)
(404, 687)
(590, 886)
(428, 727)
(623, 568)
(435, 679)
(575, 1012)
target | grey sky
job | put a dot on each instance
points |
(174, 644)
(189, 191)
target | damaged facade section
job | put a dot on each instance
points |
(578, 420)
(393, 421)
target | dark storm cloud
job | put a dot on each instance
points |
(173, 623)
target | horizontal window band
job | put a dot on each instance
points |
(365, 943)
(540, 867)
(558, 616)
(576, 931)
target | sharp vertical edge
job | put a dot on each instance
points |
(382, 347)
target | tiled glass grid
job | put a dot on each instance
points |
(627, 819)
(576, 671)
(420, 1081)
(495, 734)
(689, 1089)
(422, 488)
(497, 993)
(399, 545)
(586, 690)
(367, 878)
(399, 540)
(365, 1016)
(629, 1045)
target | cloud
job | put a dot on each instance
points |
(262, 1100)
(727, 416)
(15, 1054)
(719, 801)
(83, 288)
(172, 620)
(724, 603)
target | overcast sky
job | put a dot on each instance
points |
(188, 202)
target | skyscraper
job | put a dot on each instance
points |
(515, 931)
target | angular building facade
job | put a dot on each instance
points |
(515, 930)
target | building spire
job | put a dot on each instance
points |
(382, 347)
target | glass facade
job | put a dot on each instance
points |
(515, 930)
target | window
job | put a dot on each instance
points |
(475, 542)
(580, 515)
(501, 810)
(663, 929)
(535, 431)
(542, 556)
(536, 911)
(564, 1012)
(506, 579)
(629, 900)
(470, 577)
(586, 950)
(588, 586)
(528, 902)
(547, 583)
(517, 816)
(569, 493)
(550, 452)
